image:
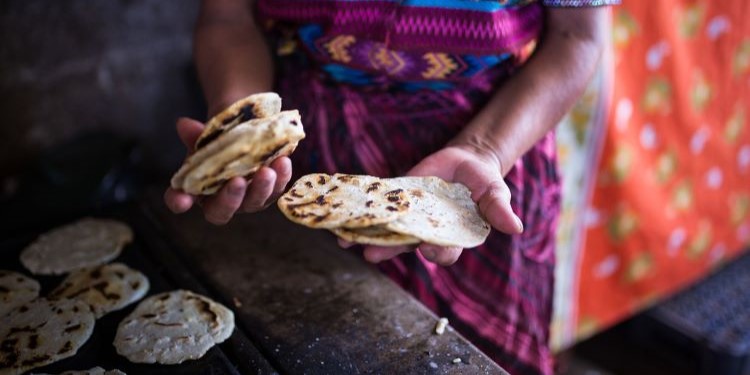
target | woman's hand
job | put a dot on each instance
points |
(237, 195)
(482, 173)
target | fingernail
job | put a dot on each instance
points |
(235, 188)
(519, 225)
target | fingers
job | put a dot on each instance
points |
(377, 254)
(283, 168)
(177, 201)
(494, 204)
(260, 189)
(189, 130)
(444, 256)
(344, 244)
(492, 195)
(218, 209)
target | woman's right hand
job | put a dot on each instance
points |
(237, 195)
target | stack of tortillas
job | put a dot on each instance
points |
(387, 211)
(246, 136)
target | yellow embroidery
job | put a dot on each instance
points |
(441, 65)
(384, 59)
(286, 47)
(337, 47)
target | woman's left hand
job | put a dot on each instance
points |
(483, 175)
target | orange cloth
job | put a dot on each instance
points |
(671, 198)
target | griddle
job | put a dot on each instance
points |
(324, 313)
(151, 254)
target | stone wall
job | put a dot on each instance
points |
(75, 66)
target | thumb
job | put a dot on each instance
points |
(492, 195)
(494, 204)
(189, 130)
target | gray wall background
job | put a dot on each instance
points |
(73, 66)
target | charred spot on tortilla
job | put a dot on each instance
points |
(246, 113)
(206, 140)
(66, 348)
(373, 186)
(273, 152)
(340, 200)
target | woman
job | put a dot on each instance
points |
(420, 87)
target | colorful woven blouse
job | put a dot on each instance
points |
(417, 43)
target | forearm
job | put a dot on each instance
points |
(534, 100)
(230, 53)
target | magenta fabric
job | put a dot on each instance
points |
(412, 28)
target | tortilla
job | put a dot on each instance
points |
(94, 371)
(254, 106)
(107, 288)
(348, 201)
(240, 151)
(88, 242)
(441, 213)
(387, 212)
(42, 332)
(173, 327)
(15, 290)
(375, 235)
